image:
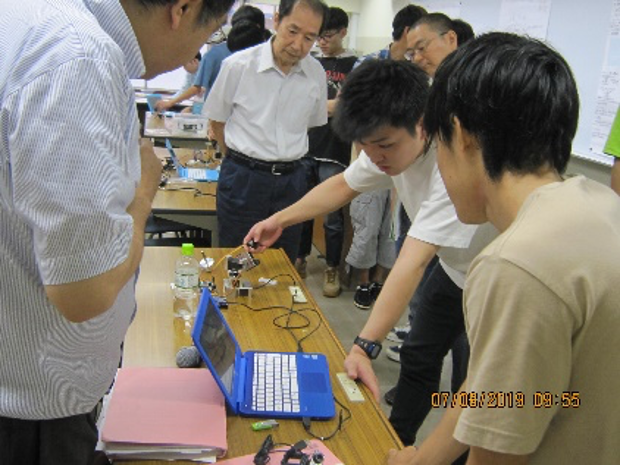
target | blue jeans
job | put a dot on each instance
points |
(247, 195)
(333, 224)
(437, 325)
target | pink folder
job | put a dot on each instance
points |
(166, 406)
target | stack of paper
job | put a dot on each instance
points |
(165, 413)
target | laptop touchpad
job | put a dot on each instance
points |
(313, 382)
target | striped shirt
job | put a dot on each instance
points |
(69, 166)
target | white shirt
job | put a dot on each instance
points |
(433, 217)
(268, 113)
(66, 179)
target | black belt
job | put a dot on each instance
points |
(275, 168)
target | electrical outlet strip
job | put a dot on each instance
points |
(298, 295)
(350, 387)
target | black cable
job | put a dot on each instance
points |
(345, 413)
(342, 418)
(291, 311)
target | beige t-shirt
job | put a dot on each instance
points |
(542, 308)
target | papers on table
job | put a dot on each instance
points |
(164, 414)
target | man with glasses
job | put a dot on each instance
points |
(328, 155)
(75, 195)
(431, 40)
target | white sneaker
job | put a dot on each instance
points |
(398, 334)
(393, 353)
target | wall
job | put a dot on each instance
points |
(375, 24)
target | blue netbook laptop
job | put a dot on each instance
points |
(261, 384)
(198, 174)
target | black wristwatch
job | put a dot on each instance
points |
(371, 348)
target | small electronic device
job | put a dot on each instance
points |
(240, 263)
(350, 387)
(264, 425)
(262, 384)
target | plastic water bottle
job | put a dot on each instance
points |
(186, 284)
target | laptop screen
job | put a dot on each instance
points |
(219, 346)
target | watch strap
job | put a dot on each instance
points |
(371, 348)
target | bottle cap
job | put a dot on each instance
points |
(187, 249)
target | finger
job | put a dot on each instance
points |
(369, 379)
(351, 370)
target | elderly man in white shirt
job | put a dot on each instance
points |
(261, 106)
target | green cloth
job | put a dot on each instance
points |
(612, 147)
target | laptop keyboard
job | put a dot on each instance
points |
(274, 382)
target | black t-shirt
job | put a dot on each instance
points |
(323, 142)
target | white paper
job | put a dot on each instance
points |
(525, 17)
(451, 8)
(608, 95)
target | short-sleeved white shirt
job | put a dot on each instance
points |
(267, 112)
(433, 217)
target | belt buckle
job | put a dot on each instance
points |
(274, 169)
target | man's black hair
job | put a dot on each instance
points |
(438, 22)
(406, 18)
(337, 19)
(515, 95)
(318, 6)
(211, 9)
(441, 24)
(198, 56)
(249, 13)
(244, 34)
(380, 93)
(464, 31)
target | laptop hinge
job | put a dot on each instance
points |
(241, 374)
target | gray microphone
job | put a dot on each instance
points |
(188, 356)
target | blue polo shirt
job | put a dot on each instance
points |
(210, 67)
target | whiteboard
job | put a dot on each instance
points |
(579, 30)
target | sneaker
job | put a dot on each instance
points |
(398, 334)
(363, 296)
(390, 395)
(300, 266)
(393, 353)
(331, 282)
(375, 289)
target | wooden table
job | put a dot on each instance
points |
(183, 205)
(155, 336)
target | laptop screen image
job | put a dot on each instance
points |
(219, 346)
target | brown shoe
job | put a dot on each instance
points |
(300, 266)
(331, 282)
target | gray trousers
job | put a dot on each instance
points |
(372, 242)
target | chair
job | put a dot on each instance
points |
(176, 233)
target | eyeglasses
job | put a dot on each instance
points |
(327, 36)
(421, 47)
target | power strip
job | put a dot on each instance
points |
(350, 387)
(298, 295)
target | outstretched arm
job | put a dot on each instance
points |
(328, 196)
